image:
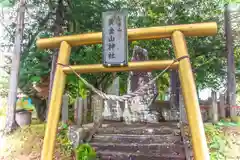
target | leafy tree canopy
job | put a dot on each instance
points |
(207, 53)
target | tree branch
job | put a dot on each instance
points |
(5, 27)
(33, 37)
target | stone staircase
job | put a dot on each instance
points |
(118, 141)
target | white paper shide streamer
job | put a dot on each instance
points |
(126, 113)
(119, 110)
(106, 111)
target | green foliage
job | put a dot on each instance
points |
(233, 122)
(237, 62)
(85, 152)
(85, 16)
(208, 74)
(216, 141)
(62, 138)
(7, 3)
(76, 87)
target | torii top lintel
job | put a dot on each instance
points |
(197, 29)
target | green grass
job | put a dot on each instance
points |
(2, 111)
(216, 141)
(27, 142)
(221, 139)
(23, 141)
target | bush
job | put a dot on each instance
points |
(64, 143)
(85, 152)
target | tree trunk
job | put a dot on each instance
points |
(214, 107)
(40, 106)
(12, 95)
(57, 31)
(222, 110)
(231, 80)
(174, 85)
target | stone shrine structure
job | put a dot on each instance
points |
(112, 105)
(139, 105)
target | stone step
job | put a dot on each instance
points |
(140, 129)
(173, 124)
(140, 139)
(154, 149)
(115, 155)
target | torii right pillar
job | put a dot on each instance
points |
(190, 97)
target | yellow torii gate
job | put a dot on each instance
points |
(176, 32)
